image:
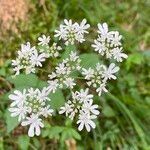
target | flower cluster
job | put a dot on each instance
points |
(50, 51)
(99, 76)
(71, 32)
(28, 59)
(109, 43)
(62, 76)
(30, 106)
(82, 106)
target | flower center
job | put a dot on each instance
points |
(71, 36)
(35, 104)
(25, 62)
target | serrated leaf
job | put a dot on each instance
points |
(23, 142)
(69, 133)
(57, 99)
(65, 135)
(24, 80)
(89, 60)
(54, 132)
(11, 122)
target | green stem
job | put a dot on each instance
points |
(131, 116)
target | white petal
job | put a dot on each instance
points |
(37, 130)
(31, 131)
(87, 127)
(25, 123)
(80, 126)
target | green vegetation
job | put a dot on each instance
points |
(124, 122)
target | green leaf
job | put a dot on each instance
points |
(55, 132)
(57, 99)
(68, 122)
(135, 58)
(1, 143)
(69, 133)
(24, 80)
(89, 60)
(130, 78)
(11, 122)
(108, 111)
(41, 84)
(67, 51)
(3, 72)
(36, 144)
(23, 142)
(75, 134)
(131, 116)
(52, 132)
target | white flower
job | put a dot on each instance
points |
(43, 40)
(73, 56)
(28, 58)
(82, 28)
(68, 24)
(26, 50)
(66, 109)
(108, 43)
(33, 103)
(100, 68)
(18, 98)
(37, 59)
(103, 30)
(43, 94)
(53, 84)
(94, 76)
(102, 88)
(62, 74)
(118, 55)
(31, 106)
(32, 92)
(85, 119)
(88, 73)
(71, 32)
(99, 47)
(61, 33)
(30, 69)
(62, 69)
(35, 124)
(74, 61)
(46, 111)
(116, 39)
(17, 70)
(19, 111)
(81, 105)
(69, 82)
(109, 73)
(88, 107)
(54, 50)
(79, 38)
(98, 76)
(84, 96)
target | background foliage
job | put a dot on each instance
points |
(124, 122)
